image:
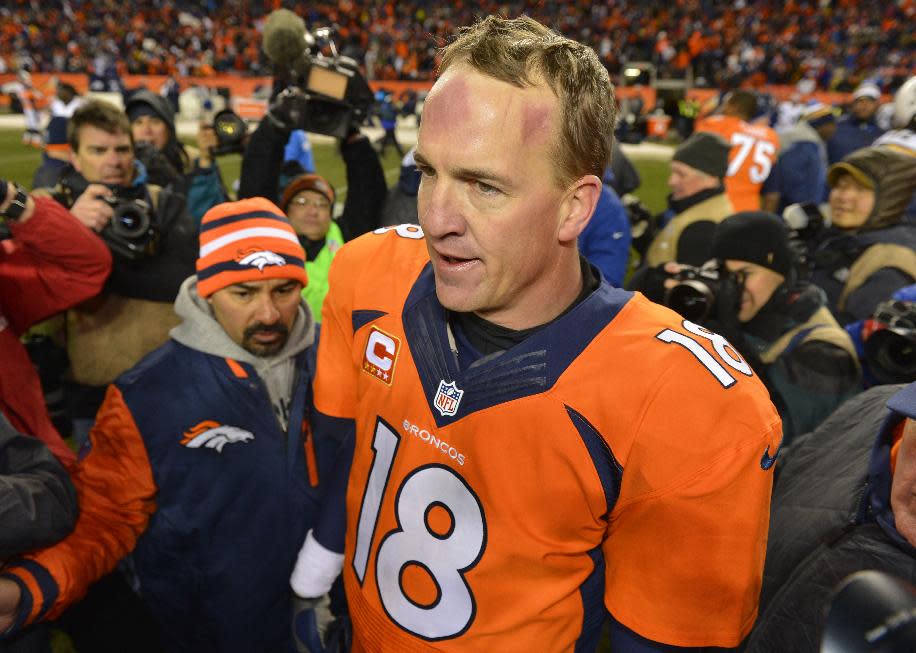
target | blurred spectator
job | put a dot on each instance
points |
(621, 175)
(50, 263)
(903, 136)
(696, 203)
(780, 323)
(800, 173)
(605, 241)
(189, 172)
(308, 201)
(133, 315)
(754, 148)
(56, 152)
(299, 150)
(757, 41)
(31, 101)
(401, 202)
(37, 508)
(869, 251)
(201, 464)
(859, 128)
(388, 119)
(842, 502)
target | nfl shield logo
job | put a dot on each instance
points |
(448, 396)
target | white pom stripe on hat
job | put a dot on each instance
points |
(254, 232)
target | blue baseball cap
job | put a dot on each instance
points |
(904, 401)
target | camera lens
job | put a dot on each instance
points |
(892, 356)
(130, 221)
(692, 299)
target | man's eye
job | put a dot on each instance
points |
(426, 171)
(486, 188)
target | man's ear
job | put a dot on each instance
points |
(580, 203)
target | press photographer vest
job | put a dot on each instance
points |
(821, 327)
(664, 247)
(109, 334)
(879, 255)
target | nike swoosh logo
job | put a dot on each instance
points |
(766, 460)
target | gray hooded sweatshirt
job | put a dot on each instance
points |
(199, 330)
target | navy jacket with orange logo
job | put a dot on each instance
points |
(190, 469)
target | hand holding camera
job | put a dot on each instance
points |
(92, 209)
(125, 223)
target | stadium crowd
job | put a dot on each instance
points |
(833, 45)
(305, 424)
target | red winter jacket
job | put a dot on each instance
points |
(52, 262)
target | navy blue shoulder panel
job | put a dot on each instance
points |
(531, 367)
(610, 471)
(361, 318)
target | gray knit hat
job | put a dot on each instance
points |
(890, 173)
(706, 152)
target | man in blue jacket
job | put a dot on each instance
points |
(201, 464)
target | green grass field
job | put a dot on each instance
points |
(18, 162)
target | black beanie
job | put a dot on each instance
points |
(756, 237)
(706, 152)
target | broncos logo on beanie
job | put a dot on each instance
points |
(248, 240)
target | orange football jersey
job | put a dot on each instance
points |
(617, 459)
(753, 154)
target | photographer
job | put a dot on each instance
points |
(50, 263)
(843, 501)
(779, 323)
(697, 202)
(155, 244)
(192, 173)
(869, 250)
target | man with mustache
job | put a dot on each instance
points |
(200, 463)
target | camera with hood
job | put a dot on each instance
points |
(890, 349)
(700, 291)
(231, 131)
(324, 94)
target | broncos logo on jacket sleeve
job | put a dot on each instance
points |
(214, 435)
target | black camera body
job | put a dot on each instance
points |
(131, 233)
(891, 349)
(699, 289)
(231, 130)
(334, 96)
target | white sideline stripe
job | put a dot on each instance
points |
(254, 232)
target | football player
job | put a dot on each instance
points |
(532, 449)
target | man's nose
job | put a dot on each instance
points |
(266, 311)
(440, 212)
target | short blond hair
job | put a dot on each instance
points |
(524, 53)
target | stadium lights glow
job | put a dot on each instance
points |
(632, 72)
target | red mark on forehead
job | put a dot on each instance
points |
(447, 103)
(536, 123)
